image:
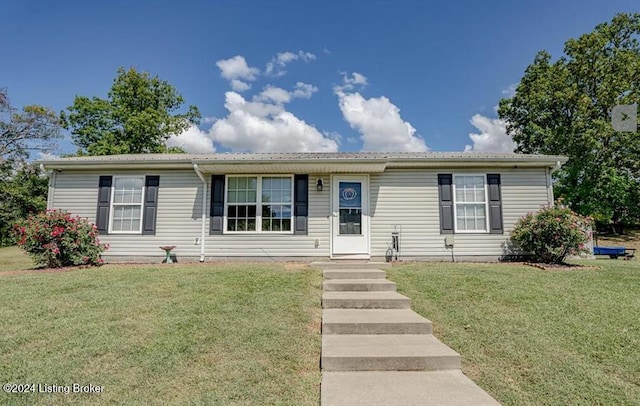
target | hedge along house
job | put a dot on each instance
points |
(303, 206)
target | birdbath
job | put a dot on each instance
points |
(167, 249)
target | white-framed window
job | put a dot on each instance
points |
(126, 205)
(259, 204)
(470, 209)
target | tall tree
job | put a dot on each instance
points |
(34, 128)
(138, 116)
(23, 188)
(564, 107)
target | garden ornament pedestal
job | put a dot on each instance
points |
(167, 249)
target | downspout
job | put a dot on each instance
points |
(51, 174)
(204, 211)
(549, 172)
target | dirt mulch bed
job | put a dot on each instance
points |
(560, 267)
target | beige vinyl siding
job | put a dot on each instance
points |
(178, 218)
(281, 245)
(179, 215)
(404, 197)
(409, 200)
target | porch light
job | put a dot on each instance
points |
(319, 185)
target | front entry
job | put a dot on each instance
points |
(350, 216)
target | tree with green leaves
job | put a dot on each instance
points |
(23, 188)
(138, 116)
(34, 128)
(565, 106)
(23, 191)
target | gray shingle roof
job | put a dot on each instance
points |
(309, 156)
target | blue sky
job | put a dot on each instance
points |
(345, 75)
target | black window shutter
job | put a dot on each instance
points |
(104, 203)
(151, 185)
(495, 204)
(216, 214)
(445, 194)
(301, 204)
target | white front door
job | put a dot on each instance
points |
(350, 216)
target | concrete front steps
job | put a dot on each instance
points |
(356, 273)
(386, 352)
(374, 321)
(387, 388)
(377, 351)
(341, 264)
(365, 300)
(358, 285)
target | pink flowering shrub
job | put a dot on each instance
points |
(55, 238)
(552, 233)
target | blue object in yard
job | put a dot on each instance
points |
(614, 252)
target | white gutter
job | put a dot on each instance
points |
(204, 211)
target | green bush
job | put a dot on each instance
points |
(55, 238)
(552, 233)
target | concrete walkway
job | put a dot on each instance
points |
(377, 351)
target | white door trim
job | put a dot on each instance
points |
(366, 218)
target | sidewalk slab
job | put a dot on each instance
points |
(438, 388)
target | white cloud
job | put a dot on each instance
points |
(239, 86)
(510, 91)
(306, 56)
(274, 94)
(45, 156)
(332, 135)
(237, 72)
(355, 79)
(376, 119)
(264, 125)
(192, 140)
(493, 135)
(303, 91)
(281, 96)
(349, 82)
(275, 67)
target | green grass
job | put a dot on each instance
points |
(14, 259)
(163, 334)
(249, 333)
(534, 337)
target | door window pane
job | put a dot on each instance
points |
(350, 201)
(350, 221)
(350, 194)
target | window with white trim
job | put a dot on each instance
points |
(470, 203)
(126, 204)
(259, 204)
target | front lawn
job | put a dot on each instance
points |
(163, 334)
(534, 337)
(14, 259)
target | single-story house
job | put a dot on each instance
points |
(303, 206)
